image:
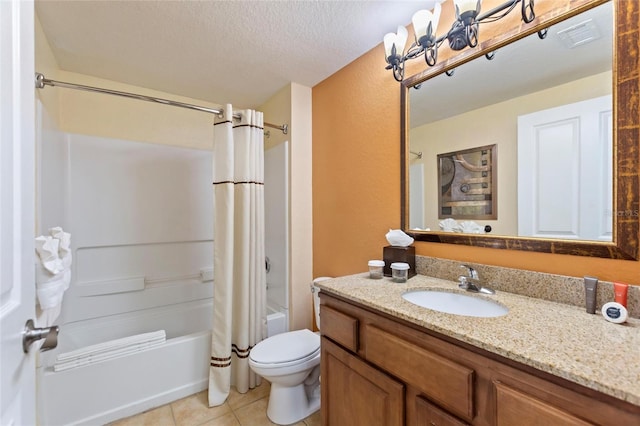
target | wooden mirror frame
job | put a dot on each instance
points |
(626, 137)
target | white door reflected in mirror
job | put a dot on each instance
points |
(564, 154)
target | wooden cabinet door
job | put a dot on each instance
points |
(428, 414)
(514, 407)
(356, 394)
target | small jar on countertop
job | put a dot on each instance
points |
(376, 269)
(400, 272)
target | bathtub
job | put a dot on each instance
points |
(118, 388)
(277, 319)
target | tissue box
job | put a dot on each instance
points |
(391, 254)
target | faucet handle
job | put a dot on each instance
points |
(472, 272)
(462, 282)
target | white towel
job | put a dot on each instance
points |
(64, 250)
(47, 249)
(109, 350)
(53, 274)
(50, 289)
(80, 362)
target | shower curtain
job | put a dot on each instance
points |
(239, 296)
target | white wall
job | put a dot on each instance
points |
(97, 114)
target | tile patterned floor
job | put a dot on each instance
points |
(249, 409)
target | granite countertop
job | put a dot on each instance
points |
(556, 338)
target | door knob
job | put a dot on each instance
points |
(33, 334)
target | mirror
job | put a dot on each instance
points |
(506, 111)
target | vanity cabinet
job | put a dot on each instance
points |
(380, 370)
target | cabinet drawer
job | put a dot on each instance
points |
(428, 414)
(339, 327)
(515, 407)
(447, 383)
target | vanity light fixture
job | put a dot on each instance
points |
(463, 33)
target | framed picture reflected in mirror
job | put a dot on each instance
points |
(467, 184)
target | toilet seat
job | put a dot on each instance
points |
(283, 365)
(282, 350)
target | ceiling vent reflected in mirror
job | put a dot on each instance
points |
(579, 34)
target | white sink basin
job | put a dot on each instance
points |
(455, 303)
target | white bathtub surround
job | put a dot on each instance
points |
(276, 233)
(53, 274)
(141, 220)
(239, 320)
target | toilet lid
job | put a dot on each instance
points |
(286, 347)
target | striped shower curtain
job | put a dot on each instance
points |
(239, 296)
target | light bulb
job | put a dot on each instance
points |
(463, 6)
(399, 40)
(421, 20)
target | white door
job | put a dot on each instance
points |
(565, 171)
(17, 288)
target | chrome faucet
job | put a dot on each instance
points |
(471, 282)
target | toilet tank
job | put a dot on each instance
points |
(316, 298)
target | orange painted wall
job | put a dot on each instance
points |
(356, 165)
(356, 183)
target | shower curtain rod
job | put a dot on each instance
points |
(41, 82)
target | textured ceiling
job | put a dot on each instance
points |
(241, 52)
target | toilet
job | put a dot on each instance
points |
(291, 363)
